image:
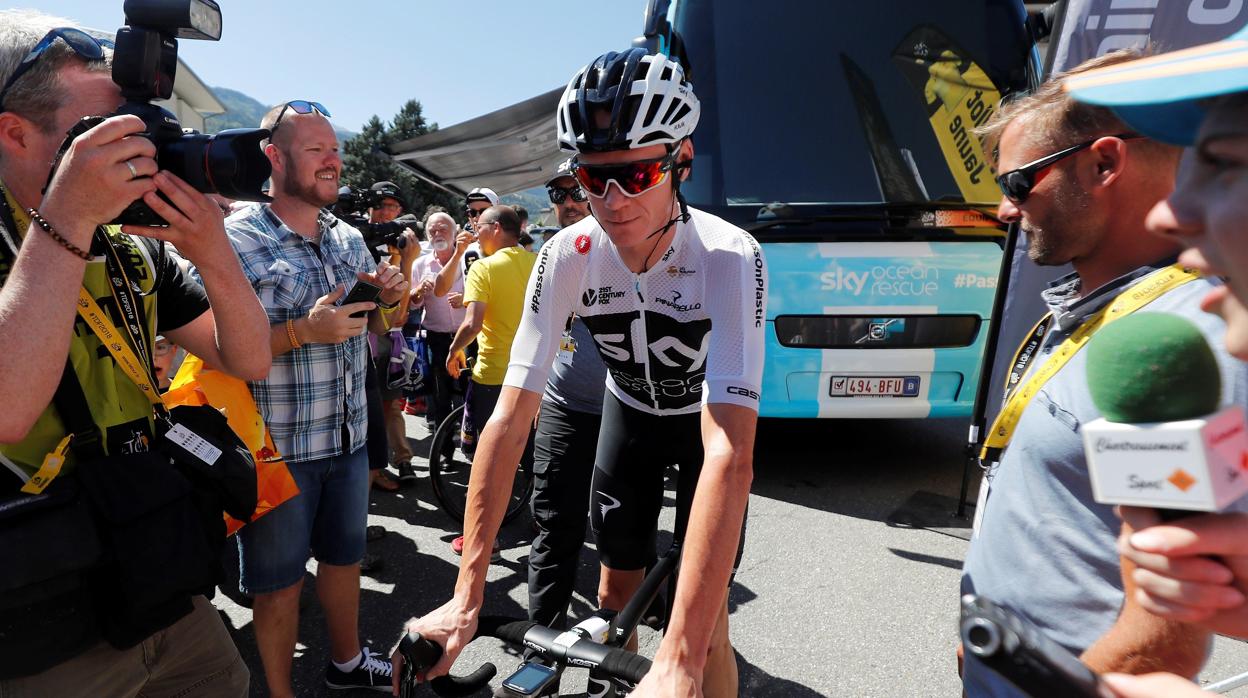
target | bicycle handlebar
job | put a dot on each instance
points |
(565, 647)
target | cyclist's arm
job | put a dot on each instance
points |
(547, 306)
(711, 538)
(729, 417)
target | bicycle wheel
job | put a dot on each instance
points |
(450, 469)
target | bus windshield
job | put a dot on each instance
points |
(830, 103)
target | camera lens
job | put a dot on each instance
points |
(230, 163)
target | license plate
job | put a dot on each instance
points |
(874, 386)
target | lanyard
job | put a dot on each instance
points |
(1017, 398)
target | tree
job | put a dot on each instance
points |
(364, 163)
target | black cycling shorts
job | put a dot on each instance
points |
(635, 449)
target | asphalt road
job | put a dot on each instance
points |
(848, 585)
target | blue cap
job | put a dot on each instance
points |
(1161, 96)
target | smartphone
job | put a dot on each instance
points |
(1016, 650)
(362, 292)
(530, 679)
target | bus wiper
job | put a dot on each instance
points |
(777, 214)
(894, 214)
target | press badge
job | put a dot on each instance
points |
(194, 444)
(567, 347)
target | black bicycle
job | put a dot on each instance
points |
(450, 470)
(595, 643)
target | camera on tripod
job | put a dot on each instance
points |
(145, 60)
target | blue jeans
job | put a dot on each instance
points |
(327, 517)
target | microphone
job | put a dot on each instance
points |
(1162, 442)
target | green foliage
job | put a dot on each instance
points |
(364, 163)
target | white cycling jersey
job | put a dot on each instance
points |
(685, 333)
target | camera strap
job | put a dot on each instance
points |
(1020, 394)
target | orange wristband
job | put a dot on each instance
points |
(290, 334)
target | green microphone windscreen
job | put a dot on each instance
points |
(1152, 367)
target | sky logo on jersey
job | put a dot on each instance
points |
(582, 244)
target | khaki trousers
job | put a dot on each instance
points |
(193, 657)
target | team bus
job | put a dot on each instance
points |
(840, 134)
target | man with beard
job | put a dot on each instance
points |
(1080, 184)
(441, 317)
(301, 262)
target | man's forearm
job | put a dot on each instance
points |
(1140, 642)
(711, 541)
(446, 277)
(38, 303)
(463, 337)
(279, 337)
(242, 326)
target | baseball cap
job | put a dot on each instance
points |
(1161, 96)
(388, 190)
(482, 194)
(563, 170)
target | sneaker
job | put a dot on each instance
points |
(416, 406)
(407, 475)
(409, 407)
(373, 672)
(457, 547)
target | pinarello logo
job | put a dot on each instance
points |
(582, 244)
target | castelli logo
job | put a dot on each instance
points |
(582, 244)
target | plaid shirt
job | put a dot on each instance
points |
(316, 392)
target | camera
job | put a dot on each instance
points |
(145, 60)
(352, 202)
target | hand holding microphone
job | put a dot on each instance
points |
(1166, 450)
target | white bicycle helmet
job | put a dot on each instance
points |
(646, 95)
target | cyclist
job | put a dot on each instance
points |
(675, 300)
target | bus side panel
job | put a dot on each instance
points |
(887, 280)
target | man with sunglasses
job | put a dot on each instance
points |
(675, 300)
(301, 261)
(56, 247)
(1080, 185)
(570, 201)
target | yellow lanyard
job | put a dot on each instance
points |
(1129, 301)
(117, 346)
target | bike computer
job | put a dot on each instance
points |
(530, 679)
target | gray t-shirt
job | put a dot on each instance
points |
(1044, 548)
(578, 386)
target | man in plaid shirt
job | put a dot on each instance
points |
(301, 261)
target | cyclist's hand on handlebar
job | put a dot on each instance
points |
(451, 627)
(668, 680)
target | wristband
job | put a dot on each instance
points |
(290, 334)
(387, 306)
(47, 228)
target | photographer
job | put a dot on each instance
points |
(54, 245)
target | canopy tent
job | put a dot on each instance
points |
(508, 150)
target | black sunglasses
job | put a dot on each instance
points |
(1017, 184)
(83, 44)
(559, 194)
(298, 106)
(473, 212)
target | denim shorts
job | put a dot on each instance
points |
(327, 517)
